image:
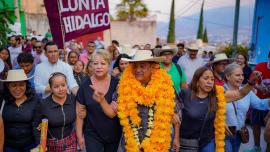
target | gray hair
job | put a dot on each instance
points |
(229, 69)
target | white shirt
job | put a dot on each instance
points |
(14, 52)
(44, 70)
(190, 65)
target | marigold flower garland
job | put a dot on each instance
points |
(157, 95)
(220, 120)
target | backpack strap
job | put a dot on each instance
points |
(179, 69)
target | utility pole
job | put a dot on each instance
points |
(235, 28)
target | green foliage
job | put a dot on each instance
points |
(205, 36)
(131, 9)
(171, 33)
(240, 49)
(200, 28)
(6, 17)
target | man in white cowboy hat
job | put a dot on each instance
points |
(218, 64)
(44, 70)
(176, 72)
(142, 69)
(191, 62)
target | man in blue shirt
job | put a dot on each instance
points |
(26, 62)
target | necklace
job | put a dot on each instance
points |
(158, 96)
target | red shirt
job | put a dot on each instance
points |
(218, 81)
(263, 87)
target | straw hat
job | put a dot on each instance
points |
(16, 75)
(164, 48)
(2, 65)
(220, 57)
(127, 49)
(144, 55)
(193, 46)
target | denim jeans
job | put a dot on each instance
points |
(210, 147)
(232, 143)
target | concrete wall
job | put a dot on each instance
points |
(131, 33)
(35, 16)
(37, 22)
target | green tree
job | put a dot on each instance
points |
(7, 17)
(171, 33)
(228, 50)
(200, 28)
(205, 36)
(131, 9)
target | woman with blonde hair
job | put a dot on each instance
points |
(97, 131)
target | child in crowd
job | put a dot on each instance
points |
(78, 73)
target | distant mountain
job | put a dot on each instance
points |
(219, 23)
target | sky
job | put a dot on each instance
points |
(160, 9)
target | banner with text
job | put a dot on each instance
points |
(70, 19)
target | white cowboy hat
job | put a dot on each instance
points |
(16, 75)
(220, 57)
(144, 55)
(2, 65)
(164, 48)
(193, 46)
(127, 49)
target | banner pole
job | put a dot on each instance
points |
(62, 30)
(110, 35)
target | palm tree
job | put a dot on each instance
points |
(131, 9)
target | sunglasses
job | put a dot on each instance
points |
(38, 46)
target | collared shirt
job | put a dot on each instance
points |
(242, 107)
(38, 58)
(190, 65)
(14, 52)
(175, 76)
(18, 122)
(61, 118)
(44, 70)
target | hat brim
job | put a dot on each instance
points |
(229, 59)
(193, 49)
(154, 59)
(17, 80)
(157, 52)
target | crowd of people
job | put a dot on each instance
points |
(125, 99)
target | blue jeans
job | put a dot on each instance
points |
(232, 143)
(210, 147)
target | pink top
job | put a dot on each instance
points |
(84, 58)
